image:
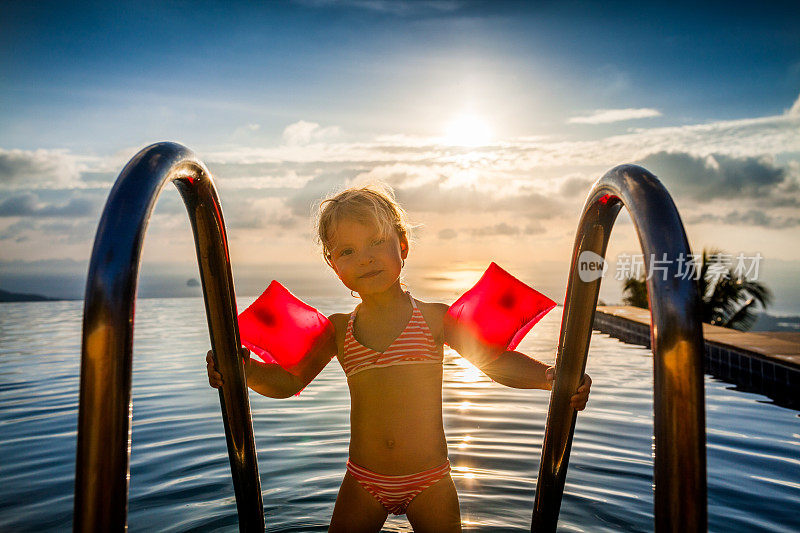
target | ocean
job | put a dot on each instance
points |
(180, 476)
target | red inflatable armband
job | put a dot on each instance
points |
(493, 316)
(281, 329)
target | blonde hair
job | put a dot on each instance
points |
(373, 204)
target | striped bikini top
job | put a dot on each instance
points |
(415, 345)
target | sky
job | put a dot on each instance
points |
(491, 120)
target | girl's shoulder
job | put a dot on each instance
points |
(339, 321)
(436, 310)
(433, 313)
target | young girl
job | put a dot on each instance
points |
(391, 350)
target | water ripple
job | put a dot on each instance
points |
(180, 474)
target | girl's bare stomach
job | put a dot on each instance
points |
(396, 419)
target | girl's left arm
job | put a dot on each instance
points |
(517, 370)
(511, 368)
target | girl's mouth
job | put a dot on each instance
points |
(371, 274)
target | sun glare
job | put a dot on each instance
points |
(467, 130)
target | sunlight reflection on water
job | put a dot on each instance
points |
(180, 477)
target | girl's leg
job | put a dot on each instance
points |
(435, 509)
(356, 510)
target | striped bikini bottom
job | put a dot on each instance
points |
(396, 492)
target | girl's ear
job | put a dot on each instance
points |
(403, 247)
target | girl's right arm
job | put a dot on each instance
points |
(272, 380)
(266, 379)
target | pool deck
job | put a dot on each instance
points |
(767, 362)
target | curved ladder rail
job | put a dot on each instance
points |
(677, 344)
(104, 418)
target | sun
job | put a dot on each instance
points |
(468, 130)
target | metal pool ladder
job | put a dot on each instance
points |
(676, 339)
(104, 416)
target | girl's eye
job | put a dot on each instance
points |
(346, 251)
(376, 242)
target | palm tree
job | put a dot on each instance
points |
(727, 300)
(636, 292)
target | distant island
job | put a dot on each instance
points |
(6, 296)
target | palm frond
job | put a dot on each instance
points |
(729, 301)
(635, 290)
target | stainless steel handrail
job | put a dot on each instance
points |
(677, 345)
(105, 411)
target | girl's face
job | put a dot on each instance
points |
(365, 261)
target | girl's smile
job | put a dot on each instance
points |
(365, 260)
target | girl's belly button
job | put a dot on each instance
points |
(390, 443)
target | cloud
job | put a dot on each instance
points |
(44, 233)
(732, 167)
(527, 177)
(301, 202)
(28, 205)
(744, 137)
(101, 178)
(16, 232)
(434, 197)
(576, 185)
(795, 109)
(747, 137)
(259, 213)
(504, 229)
(605, 116)
(751, 217)
(713, 177)
(18, 206)
(501, 229)
(39, 167)
(303, 132)
(534, 228)
(447, 234)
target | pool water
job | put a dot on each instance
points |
(180, 475)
